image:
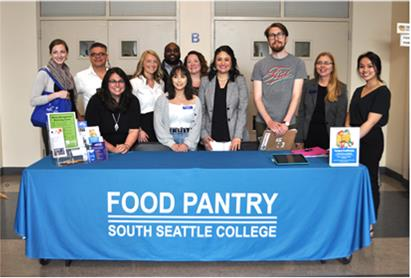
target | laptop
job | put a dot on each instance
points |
(272, 142)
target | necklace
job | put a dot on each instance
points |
(116, 127)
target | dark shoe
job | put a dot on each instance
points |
(345, 260)
(371, 231)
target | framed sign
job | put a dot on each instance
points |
(344, 146)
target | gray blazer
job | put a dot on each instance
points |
(334, 111)
(162, 124)
(237, 102)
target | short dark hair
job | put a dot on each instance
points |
(97, 44)
(375, 61)
(58, 42)
(278, 25)
(188, 90)
(233, 72)
(203, 62)
(171, 43)
(105, 95)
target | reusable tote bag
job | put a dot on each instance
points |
(39, 115)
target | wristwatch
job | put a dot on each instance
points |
(287, 124)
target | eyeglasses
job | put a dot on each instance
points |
(279, 35)
(116, 81)
(320, 63)
(95, 55)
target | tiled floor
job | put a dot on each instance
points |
(387, 256)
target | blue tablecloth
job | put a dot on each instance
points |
(197, 206)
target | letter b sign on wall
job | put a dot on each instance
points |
(195, 37)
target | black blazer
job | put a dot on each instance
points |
(334, 111)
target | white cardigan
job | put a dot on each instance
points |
(162, 124)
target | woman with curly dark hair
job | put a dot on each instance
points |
(116, 111)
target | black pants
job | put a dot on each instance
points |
(45, 135)
(371, 149)
(147, 124)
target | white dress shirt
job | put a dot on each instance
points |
(146, 95)
(87, 82)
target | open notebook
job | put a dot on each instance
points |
(272, 142)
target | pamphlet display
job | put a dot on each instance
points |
(72, 141)
(344, 146)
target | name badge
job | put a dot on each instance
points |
(185, 107)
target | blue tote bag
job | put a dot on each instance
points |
(39, 115)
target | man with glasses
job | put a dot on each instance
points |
(89, 80)
(277, 83)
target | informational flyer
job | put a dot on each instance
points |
(67, 121)
(57, 145)
(344, 146)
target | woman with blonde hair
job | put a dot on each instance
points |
(323, 104)
(147, 87)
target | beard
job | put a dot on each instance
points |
(173, 61)
(277, 47)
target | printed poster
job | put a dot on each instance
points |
(344, 146)
(67, 121)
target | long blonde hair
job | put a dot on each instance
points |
(158, 75)
(333, 87)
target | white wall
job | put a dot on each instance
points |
(19, 55)
(195, 17)
(397, 151)
(371, 31)
(1, 89)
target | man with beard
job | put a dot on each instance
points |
(171, 59)
(277, 83)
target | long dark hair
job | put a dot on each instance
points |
(188, 90)
(105, 95)
(234, 72)
(375, 61)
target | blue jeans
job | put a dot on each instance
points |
(179, 137)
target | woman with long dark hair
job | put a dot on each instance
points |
(224, 97)
(369, 109)
(177, 114)
(116, 111)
